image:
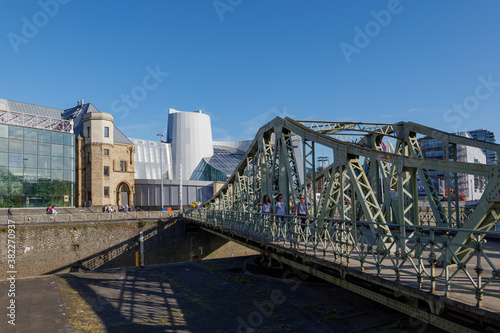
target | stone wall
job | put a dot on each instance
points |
(60, 249)
(91, 160)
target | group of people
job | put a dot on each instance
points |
(50, 210)
(300, 208)
(109, 209)
(196, 204)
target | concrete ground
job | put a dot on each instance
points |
(200, 296)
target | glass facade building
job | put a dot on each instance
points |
(37, 167)
(219, 166)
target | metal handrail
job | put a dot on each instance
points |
(410, 257)
(33, 219)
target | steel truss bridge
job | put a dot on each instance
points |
(366, 230)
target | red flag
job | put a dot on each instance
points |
(384, 147)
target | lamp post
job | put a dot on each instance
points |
(161, 170)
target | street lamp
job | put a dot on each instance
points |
(161, 170)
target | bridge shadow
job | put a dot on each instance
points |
(118, 255)
(166, 242)
(129, 300)
(209, 296)
(107, 287)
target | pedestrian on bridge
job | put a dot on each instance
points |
(281, 207)
(10, 211)
(266, 205)
(301, 210)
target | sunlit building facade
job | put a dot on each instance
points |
(190, 162)
(470, 187)
(37, 160)
(73, 157)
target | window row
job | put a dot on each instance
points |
(433, 144)
(106, 132)
(33, 161)
(36, 135)
(433, 154)
(123, 167)
(32, 148)
(36, 194)
(18, 175)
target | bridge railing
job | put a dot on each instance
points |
(27, 219)
(419, 256)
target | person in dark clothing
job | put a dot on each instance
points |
(10, 211)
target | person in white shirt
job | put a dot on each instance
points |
(301, 210)
(266, 205)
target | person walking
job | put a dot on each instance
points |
(301, 210)
(266, 205)
(280, 213)
(281, 207)
(9, 211)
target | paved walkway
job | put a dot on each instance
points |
(39, 306)
(202, 296)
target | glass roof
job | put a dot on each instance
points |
(220, 165)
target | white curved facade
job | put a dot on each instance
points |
(190, 136)
(148, 162)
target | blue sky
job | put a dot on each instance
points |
(244, 62)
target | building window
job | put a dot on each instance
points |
(106, 132)
(106, 151)
(106, 191)
(123, 166)
(106, 170)
(88, 132)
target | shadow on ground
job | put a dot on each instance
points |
(218, 296)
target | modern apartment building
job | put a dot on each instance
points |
(470, 187)
(488, 136)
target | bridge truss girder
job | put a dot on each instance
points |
(365, 181)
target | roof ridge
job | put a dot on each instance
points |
(120, 132)
(93, 106)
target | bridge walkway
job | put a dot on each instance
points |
(405, 268)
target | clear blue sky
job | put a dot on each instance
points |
(247, 61)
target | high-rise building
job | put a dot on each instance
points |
(470, 187)
(488, 136)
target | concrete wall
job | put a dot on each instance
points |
(60, 249)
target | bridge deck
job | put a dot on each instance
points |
(340, 249)
(460, 291)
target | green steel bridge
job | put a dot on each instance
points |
(367, 230)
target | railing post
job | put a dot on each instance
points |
(479, 269)
(432, 260)
(446, 243)
(397, 240)
(418, 254)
